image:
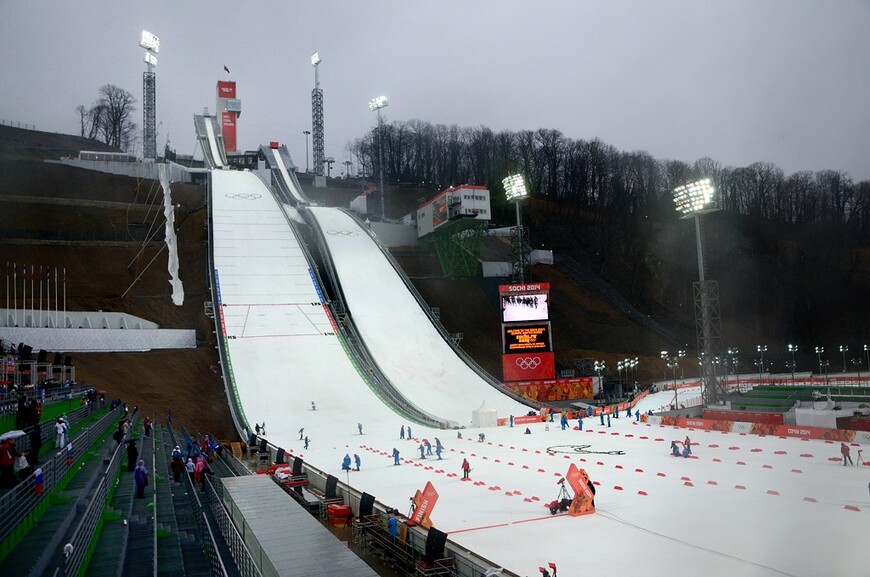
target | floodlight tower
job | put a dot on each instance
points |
(693, 200)
(515, 190)
(151, 44)
(317, 117)
(375, 104)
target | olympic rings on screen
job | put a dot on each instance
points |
(342, 232)
(245, 196)
(526, 363)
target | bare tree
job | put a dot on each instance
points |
(110, 118)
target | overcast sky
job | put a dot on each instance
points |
(784, 81)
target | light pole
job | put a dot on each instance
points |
(681, 354)
(844, 349)
(673, 364)
(151, 44)
(857, 362)
(819, 351)
(867, 352)
(634, 363)
(694, 200)
(318, 143)
(792, 349)
(515, 190)
(347, 165)
(376, 104)
(736, 362)
(664, 356)
(761, 349)
(307, 133)
(598, 367)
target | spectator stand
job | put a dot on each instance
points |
(24, 505)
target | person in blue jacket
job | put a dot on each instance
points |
(395, 456)
(602, 418)
(356, 461)
(345, 463)
(580, 423)
(564, 421)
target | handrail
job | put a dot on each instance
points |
(86, 528)
(154, 493)
(23, 499)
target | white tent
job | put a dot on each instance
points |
(484, 416)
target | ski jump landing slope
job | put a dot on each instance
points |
(283, 350)
(408, 348)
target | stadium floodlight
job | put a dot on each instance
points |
(378, 103)
(150, 42)
(694, 198)
(514, 187)
(375, 104)
(150, 59)
(315, 59)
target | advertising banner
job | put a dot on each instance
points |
(226, 89)
(424, 502)
(528, 366)
(228, 129)
(554, 389)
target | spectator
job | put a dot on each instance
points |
(8, 455)
(140, 477)
(60, 429)
(466, 469)
(132, 455)
(190, 467)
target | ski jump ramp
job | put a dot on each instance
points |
(281, 339)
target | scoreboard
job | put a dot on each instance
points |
(527, 345)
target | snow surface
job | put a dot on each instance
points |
(695, 517)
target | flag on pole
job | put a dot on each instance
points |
(227, 69)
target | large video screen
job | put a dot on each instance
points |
(526, 338)
(524, 307)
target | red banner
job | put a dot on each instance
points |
(528, 366)
(423, 504)
(228, 124)
(226, 89)
(554, 389)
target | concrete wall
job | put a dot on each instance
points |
(99, 340)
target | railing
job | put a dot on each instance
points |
(242, 555)
(47, 428)
(9, 401)
(24, 500)
(154, 497)
(203, 527)
(87, 527)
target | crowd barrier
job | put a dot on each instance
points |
(799, 431)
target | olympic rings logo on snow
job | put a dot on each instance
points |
(244, 196)
(580, 449)
(342, 232)
(526, 363)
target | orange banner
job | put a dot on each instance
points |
(554, 389)
(423, 504)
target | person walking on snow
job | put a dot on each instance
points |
(438, 450)
(301, 431)
(466, 469)
(409, 432)
(844, 449)
(356, 461)
(602, 418)
(428, 446)
(306, 442)
(422, 451)
(580, 423)
(608, 421)
(345, 463)
(564, 421)
(687, 445)
(402, 432)
(395, 456)
(359, 428)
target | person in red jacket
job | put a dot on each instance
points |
(8, 454)
(844, 449)
(466, 469)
